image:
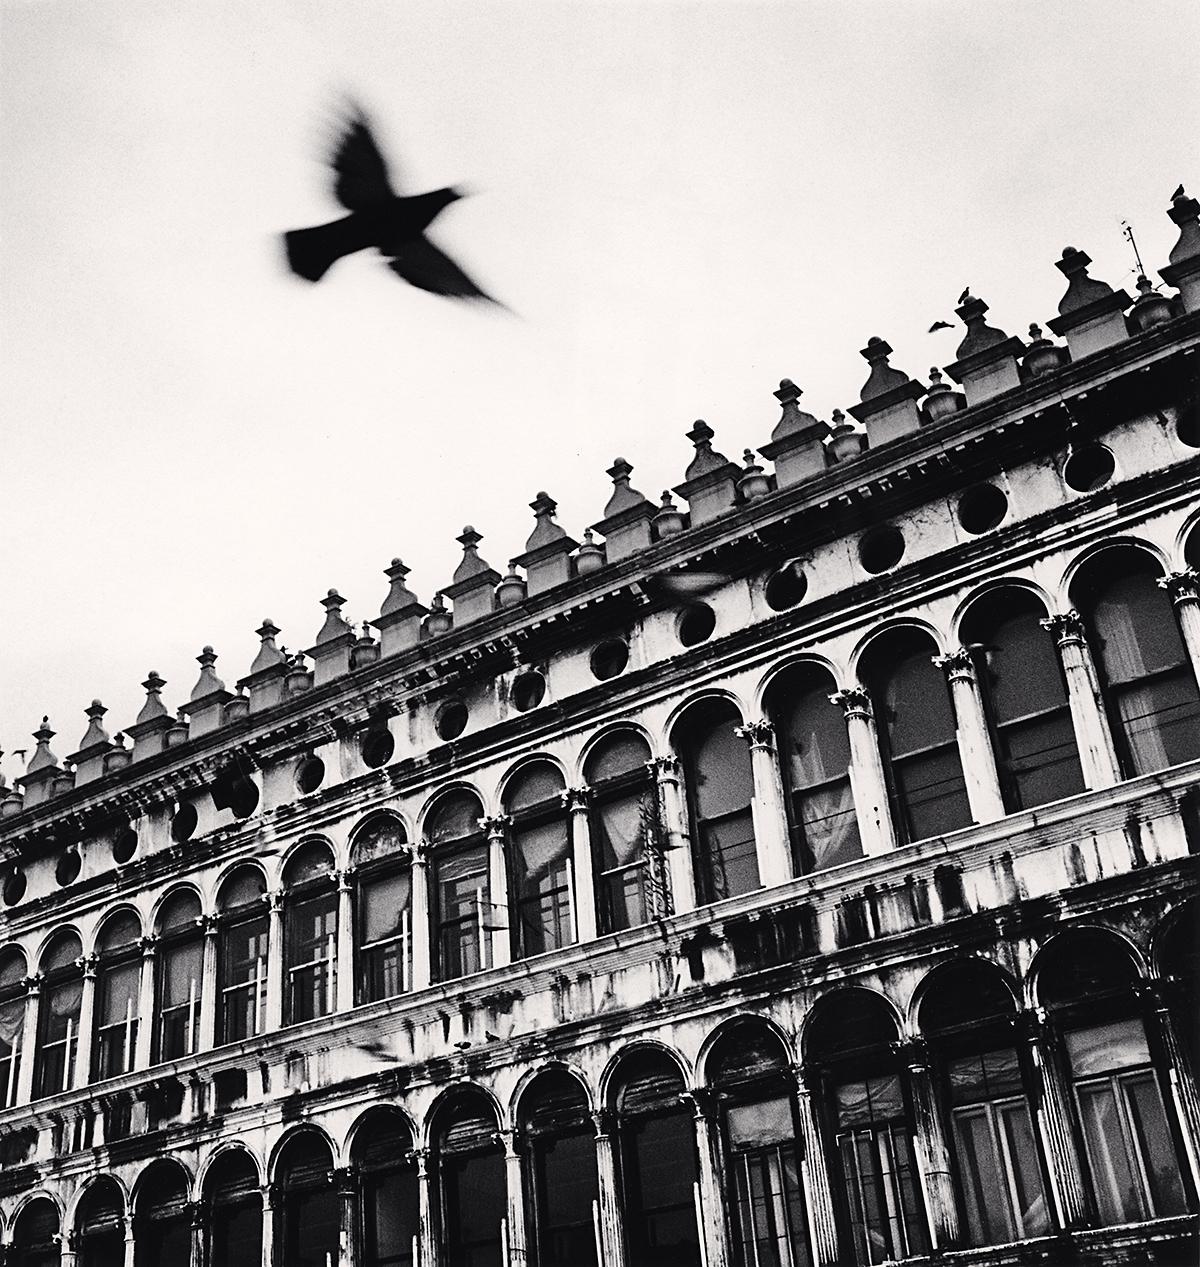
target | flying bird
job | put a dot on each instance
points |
(392, 224)
(940, 325)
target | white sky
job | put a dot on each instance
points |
(684, 202)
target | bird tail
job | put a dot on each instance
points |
(312, 252)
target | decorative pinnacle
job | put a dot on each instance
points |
(788, 392)
(153, 684)
(268, 629)
(469, 538)
(620, 471)
(701, 434)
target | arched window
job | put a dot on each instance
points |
(470, 1167)
(389, 1214)
(35, 1239)
(12, 1022)
(180, 976)
(460, 888)
(626, 847)
(851, 1038)
(162, 1218)
(58, 1015)
(748, 1069)
(540, 851)
(243, 936)
(720, 787)
(1025, 698)
(658, 1162)
(561, 1167)
(310, 934)
(967, 1014)
(235, 1224)
(100, 1226)
(814, 752)
(118, 983)
(1086, 980)
(1148, 685)
(309, 1206)
(383, 910)
(917, 732)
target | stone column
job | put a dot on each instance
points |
(427, 1239)
(514, 1174)
(1051, 1105)
(87, 1011)
(209, 1002)
(583, 895)
(275, 950)
(1182, 1084)
(768, 813)
(345, 1182)
(612, 1233)
(975, 751)
(270, 1194)
(674, 833)
(130, 1243)
(1097, 755)
(199, 1217)
(1183, 589)
(498, 913)
(933, 1155)
(868, 785)
(344, 972)
(422, 961)
(29, 1036)
(147, 1012)
(713, 1231)
(814, 1170)
(68, 1253)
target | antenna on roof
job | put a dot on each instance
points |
(1127, 230)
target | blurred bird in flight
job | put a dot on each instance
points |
(392, 224)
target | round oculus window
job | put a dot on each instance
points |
(67, 869)
(451, 720)
(1089, 468)
(377, 748)
(243, 798)
(1188, 426)
(881, 548)
(528, 691)
(982, 508)
(310, 774)
(786, 588)
(183, 823)
(695, 624)
(609, 658)
(124, 845)
(14, 886)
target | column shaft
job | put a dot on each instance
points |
(1184, 589)
(275, 953)
(1097, 754)
(427, 1239)
(769, 816)
(147, 1013)
(612, 1235)
(583, 873)
(818, 1193)
(514, 1174)
(712, 1205)
(268, 1227)
(1184, 1094)
(1052, 1114)
(422, 964)
(209, 1003)
(87, 1008)
(29, 1035)
(980, 776)
(675, 838)
(868, 785)
(933, 1155)
(344, 972)
(498, 914)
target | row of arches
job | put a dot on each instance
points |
(856, 1119)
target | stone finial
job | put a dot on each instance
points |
(335, 624)
(89, 761)
(269, 656)
(438, 620)
(589, 557)
(796, 446)
(208, 683)
(987, 357)
(1184, 269)
(335, 639)
(153, 708)
(888, 407)
(711, 478)
(1090, 312)
(149, 731)
(1041, 356)
(753, 482)
(474, 581)
(546, 558)
(511, 590)
(1149, 308)
(669, 519)
(299, 676)
(43, 758)
(205, 708)
(43, 770)
(941, 399)
(95, 735)
(365, 650)
(846, 442)
(627, 515)
(399, 619)
(265, 679)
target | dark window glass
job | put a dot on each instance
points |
(719, 788)
(162, 1227)
(565, 1187)
(242, 973)
(58, 1032)
(235, 1217)
(117, 987)
(474, 1202)
(541, 859)
(311, 955)
(12, 1024)
(658, 1159)
(310, 1204)
(1149, 685)
(100, 1237)
(1026, 700)
(388, 1209)
(917, 729)
(34, 1236)
(814, 750)
(463, 912)
(179, 978)
(385, 935)
(627, 859)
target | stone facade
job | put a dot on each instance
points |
(809, 880)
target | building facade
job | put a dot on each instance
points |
(803, 875)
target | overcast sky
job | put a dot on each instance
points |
(682, 203)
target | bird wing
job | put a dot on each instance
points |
(362, 175)
(421, 264)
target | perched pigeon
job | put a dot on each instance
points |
(1177, 194)
(379, 218)
(962, 299)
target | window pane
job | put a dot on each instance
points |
(243, 979)
(828, 827)
(770, 1216)
(310, 1237)
(1118, 1193)
(917, 704)
(474, 1195)
(1161, 720)
(932, 793)
(1033, 1217)
(762, 1122)
(567, 1186)
(730, 856)
(984, 1187)
(1107, 1047)
(463, 907)
(383, 904)
(1040, 758)
(721, 772)
(1152, 1139)
(658, 1171)
(1023, 675)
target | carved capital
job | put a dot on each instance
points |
(605, 1122)
(270, 1195)
(495, 827)
(957, 665)
(275, 901)
(209, 924)
(703, 1103)
(1182, 587)
(758, 734)
(664, 769)
(854, 701)
(511, 1141)
(914, 1052)
(343, 878)
(420, 850)
(576, 798)
(87, 964)
(1065, 627)
(345, 1179)
(419, 1157)
(149, 945)
(32, 984)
